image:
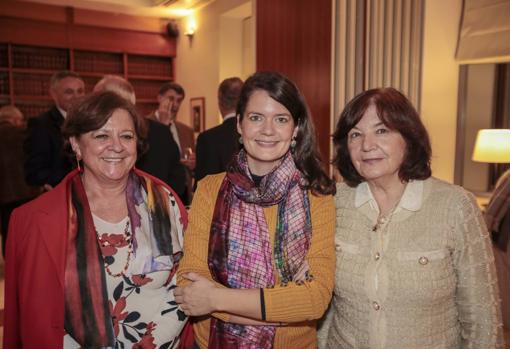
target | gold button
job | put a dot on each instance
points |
(423, 260)
(377, 256)
(376, 306)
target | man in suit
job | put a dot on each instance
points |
(46, 164)
(216, 146)
(13, 189)
(170, 97)
(162, 158)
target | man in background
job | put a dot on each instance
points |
(46, 164)
(170, 97)
(216, 146)
(13, 189)
(161, 158)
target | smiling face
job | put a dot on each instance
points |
(67, 91)
(376, 151)
(267, 128)
(108, 153)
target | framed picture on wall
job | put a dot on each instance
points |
(197, 113)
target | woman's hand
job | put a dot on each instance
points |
(300, 276)
(196, 299)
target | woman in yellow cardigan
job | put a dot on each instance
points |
(259, 251)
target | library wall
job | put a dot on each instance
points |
(36, 43)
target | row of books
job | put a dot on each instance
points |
(31, 84)
(107, 63)
(156, 66)
(146, 88)
(4, 84)
(39, 60)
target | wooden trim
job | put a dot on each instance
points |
(40, 33)
(71, 15)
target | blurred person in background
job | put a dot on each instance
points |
(46, 164)
(170, 97)
(13, 189)
(217, 146)
(497, 217)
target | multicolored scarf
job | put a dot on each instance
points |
(87, 316)
(240, 253)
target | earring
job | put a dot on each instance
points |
(241, 140)
(293, 144)
(78, 163)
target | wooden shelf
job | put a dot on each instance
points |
(32, 71)
(149, 77)
(30, 98)
(25, 72)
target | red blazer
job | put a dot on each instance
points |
(35, 266)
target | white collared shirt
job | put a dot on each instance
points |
(411, 199)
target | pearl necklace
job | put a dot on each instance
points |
(129, 240)
(384, 219)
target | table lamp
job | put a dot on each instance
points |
(492, 146)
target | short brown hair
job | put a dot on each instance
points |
(172, 86)
(94, 111)
(397, 113)
(229, 92)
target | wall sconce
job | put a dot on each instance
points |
(191, 27)
(492, 146)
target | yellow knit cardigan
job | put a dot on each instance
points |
(297, 305)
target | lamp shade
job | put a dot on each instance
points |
(492, 145)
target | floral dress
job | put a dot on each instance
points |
(143, 309)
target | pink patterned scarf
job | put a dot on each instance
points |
(240, 253)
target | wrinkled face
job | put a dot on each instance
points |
(267, 128)
(174, 100)
(108, 153)
(67, 91)
(376, 151)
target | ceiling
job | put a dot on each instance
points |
(151, 8)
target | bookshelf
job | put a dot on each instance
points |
(25, 71)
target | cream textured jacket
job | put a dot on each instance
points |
(424, 279)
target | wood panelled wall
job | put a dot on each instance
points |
(29, 23)
(294, 38)
(377, 44)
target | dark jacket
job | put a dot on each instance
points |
(46, 162)
(162, 158)
(215, 148)
(12, 184)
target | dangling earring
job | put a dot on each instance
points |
(241, 140)
(293, 144)
(78, 163)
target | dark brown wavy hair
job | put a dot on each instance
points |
(306, 154)
(92, 112)
(398, 114)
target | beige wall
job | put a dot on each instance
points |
(440, 82)
(214, 53)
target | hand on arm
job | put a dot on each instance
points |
(202, 297)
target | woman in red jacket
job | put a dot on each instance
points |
(92, 263)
